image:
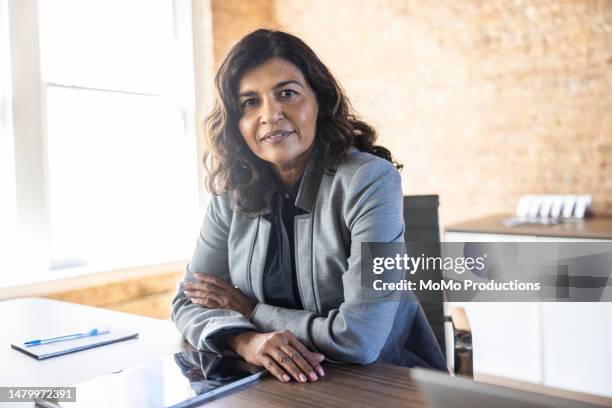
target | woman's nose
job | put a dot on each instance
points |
(272, 111)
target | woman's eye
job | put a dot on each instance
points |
(288, 93)
(249, 102)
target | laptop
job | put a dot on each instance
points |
(181, 380)
(444, 391)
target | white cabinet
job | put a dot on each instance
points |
(565, 345)
(505, 335)
(577, 346)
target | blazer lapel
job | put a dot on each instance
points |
(303, 236)
(309, 188)
(261, 239)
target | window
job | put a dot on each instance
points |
(8, 211)
(116, 179)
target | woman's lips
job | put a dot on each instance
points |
(278, 137)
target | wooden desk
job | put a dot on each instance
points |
(377, 385)
(32, 317)
(343, 385)
(589, 228)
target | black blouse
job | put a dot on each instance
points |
(280, 280)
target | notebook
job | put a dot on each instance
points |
(59, 348)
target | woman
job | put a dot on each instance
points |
(298, 184)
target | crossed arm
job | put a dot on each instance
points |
(280, 352)
(209, 310)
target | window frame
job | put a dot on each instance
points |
(28, 122)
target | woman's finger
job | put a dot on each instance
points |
(203, 286)
(288, 365)
(211, 304)
(212, 280)
(207, 294)
(195, 293)
(313, 359)
(305, 367)
(270, 365)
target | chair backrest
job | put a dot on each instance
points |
(421, 220)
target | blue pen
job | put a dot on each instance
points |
(92, 332)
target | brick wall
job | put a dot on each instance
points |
(232, 19)
(483, 101)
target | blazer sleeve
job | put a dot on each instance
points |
(202, 327)
(357, 330)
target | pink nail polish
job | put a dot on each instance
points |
(320, 371)
(313, 376)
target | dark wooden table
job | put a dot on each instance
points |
(377, 385)
(589, 228)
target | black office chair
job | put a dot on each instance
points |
(421, 220)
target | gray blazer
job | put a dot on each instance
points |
(359, 200)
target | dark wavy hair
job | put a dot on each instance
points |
(231, 166)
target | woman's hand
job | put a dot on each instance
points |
(215, 293)
(281, 353)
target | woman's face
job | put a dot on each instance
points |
(279, 114)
